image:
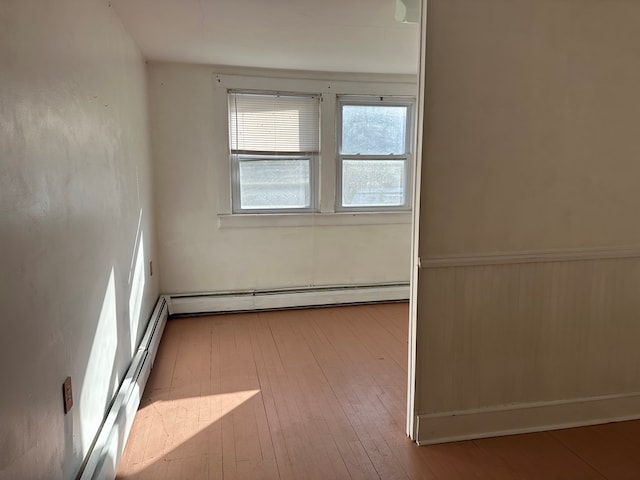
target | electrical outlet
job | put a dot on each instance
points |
(67, 395)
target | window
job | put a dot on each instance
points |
(374, 153)
(306, 149)
(274, 143)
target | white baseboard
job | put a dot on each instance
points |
(103, 459)
(288, 298)
(526, 418)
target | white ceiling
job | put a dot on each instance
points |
(323, 35)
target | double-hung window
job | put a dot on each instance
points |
(274, 146)
(374, 153)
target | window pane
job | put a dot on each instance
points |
(374, 130)
(271, 184)
(373, 183)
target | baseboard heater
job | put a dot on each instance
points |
(103, 458)
(202, 303)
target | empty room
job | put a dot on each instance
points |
(374, 239)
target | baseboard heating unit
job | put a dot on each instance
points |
(103, 458)
(202, 303)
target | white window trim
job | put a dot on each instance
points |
(313, 219)
(408, 102)
(329, 86)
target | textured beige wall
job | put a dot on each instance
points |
(532, 125)
(76, 226)
(531, 145)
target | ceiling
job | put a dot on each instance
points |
(320, 35)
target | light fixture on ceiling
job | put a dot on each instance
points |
(408, 11)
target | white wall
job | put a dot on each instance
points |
(189, 135)
(77, 229)
(529, 238)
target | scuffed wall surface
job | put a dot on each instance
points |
(76, 226)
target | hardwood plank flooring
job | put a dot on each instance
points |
(320, 394)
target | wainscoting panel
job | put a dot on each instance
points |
(500, 336)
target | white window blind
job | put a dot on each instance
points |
(270, 123)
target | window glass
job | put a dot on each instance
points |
(373, 183)
(275, 183)
(374, 129)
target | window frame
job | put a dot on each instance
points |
(235, 158)
(407, 157)
(329, 86)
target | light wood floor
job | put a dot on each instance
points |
(320, 394)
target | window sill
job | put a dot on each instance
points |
(267, 220)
